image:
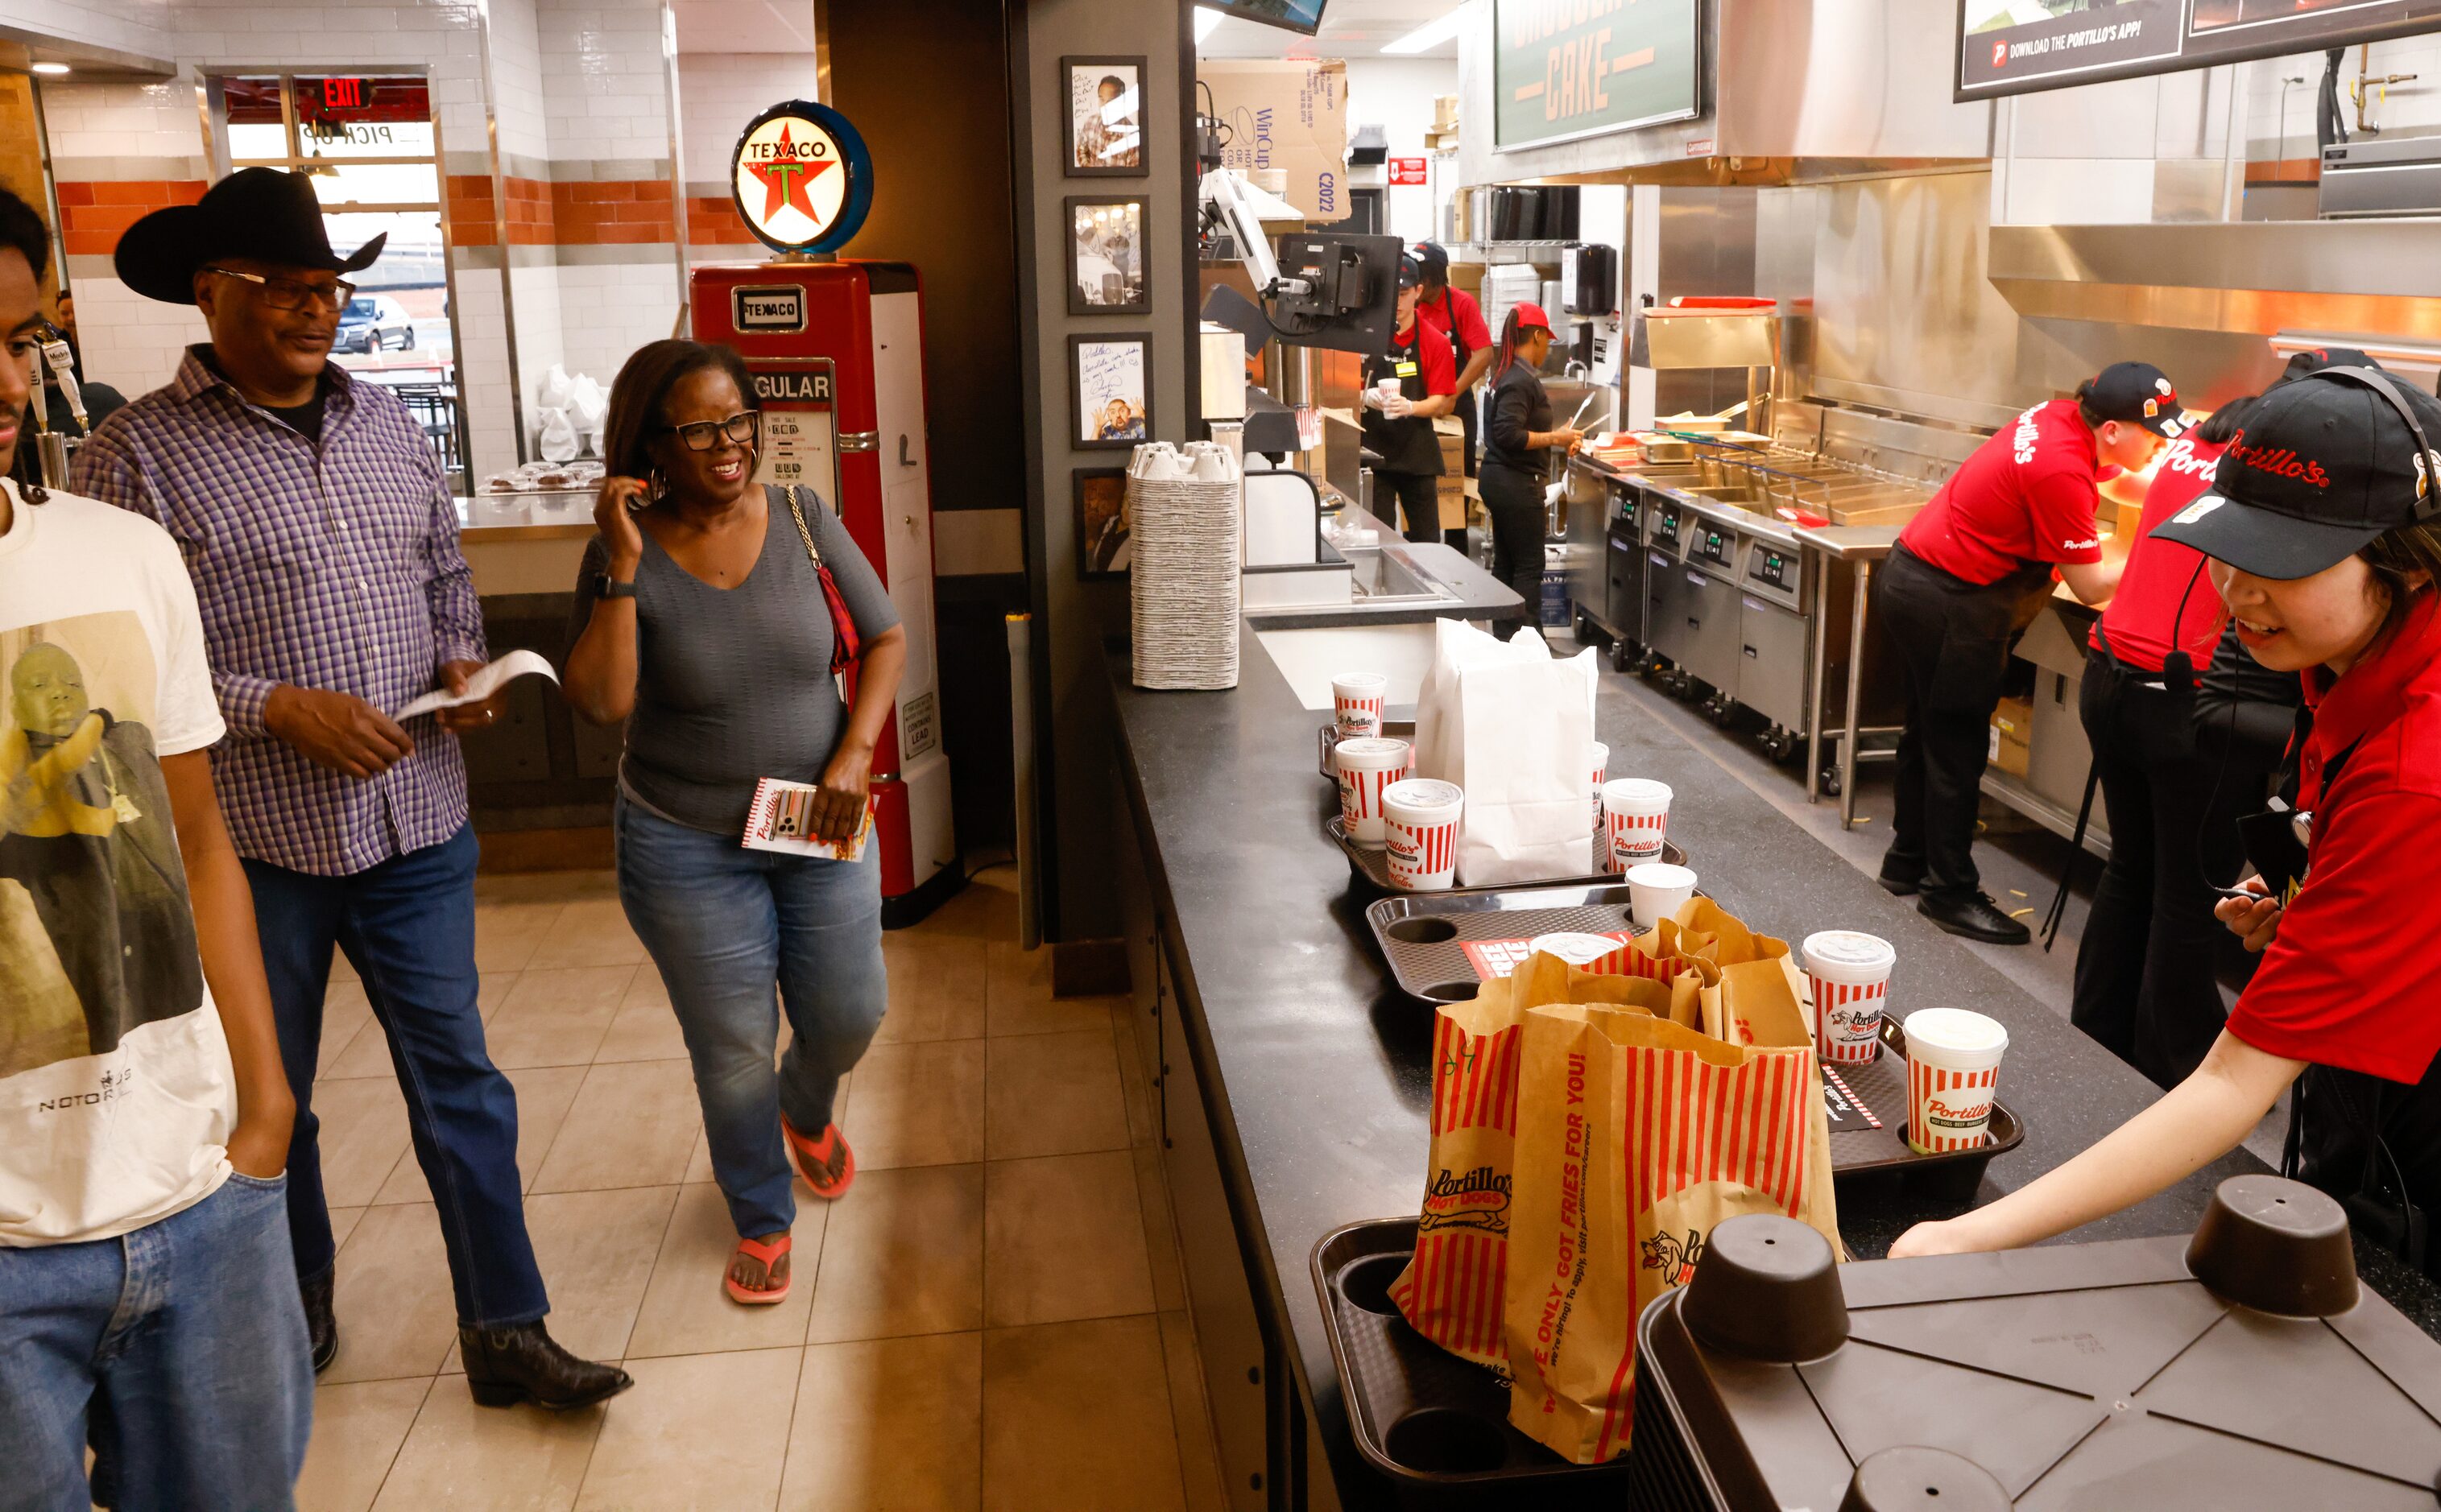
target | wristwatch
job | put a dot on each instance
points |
(606, 587)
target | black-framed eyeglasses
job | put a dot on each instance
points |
(292, 294)
(703, 435)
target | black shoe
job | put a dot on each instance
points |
(505, 1366)
(1975, 916)
(1900, 886)
(322, 1326)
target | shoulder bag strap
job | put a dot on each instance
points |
(845, 644)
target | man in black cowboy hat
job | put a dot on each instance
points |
(323, 542)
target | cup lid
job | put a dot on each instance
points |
(1359, 680)
(1848, 950)
(1602, 755)
(1636, 790)
(1423, 792)
(1659, 874)
(1959, 1031)
(1367, 748)
(1572, 948)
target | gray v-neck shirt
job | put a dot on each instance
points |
(733, 684)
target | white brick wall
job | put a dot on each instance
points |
(132, 25)
(604, 94)
(130, 342)
(718, 93)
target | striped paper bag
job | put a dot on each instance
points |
(1636, 1137)
(1450, 1290)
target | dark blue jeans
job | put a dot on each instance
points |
(407, 925)
(178, 1350)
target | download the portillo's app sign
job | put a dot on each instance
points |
(2012, 47)
(1568, 68)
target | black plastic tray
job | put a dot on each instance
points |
(1435, 1426)
(1372, 865)
(1391, 729)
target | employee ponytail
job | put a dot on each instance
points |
(1509, 333)
(2084, 406)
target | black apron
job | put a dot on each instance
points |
(1981, 623)
(1467, 401)
(1408, 444)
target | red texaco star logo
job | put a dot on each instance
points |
(785, 177)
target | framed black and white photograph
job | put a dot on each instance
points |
(1101, 498)
(1106, 117)
(1111, 388)
(1106, 261)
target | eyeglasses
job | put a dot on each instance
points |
(291, 294)
(703, 435)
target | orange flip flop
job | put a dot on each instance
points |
(826, 1163)
(768, 1252)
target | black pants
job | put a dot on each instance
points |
(2145, 985)
(1466, 412)
(1519, 523)
(1420, 495)
(1951, 640)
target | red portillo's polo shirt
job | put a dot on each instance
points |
(1434, 363)
(1456, 309)
(2165, 602)
(2349, 980)
(2025, 495)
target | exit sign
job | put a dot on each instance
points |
(1406, 170)
(343, 94)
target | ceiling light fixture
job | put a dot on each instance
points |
(50, 67)
(1430, 34)
(1205, 19)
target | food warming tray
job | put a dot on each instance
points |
(1373, 865)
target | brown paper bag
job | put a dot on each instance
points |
(1635, 1139)
(1451, 1291)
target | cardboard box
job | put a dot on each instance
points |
(2012, 727)
(1286, 113)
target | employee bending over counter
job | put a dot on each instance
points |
(1969, 572)
(2324, 539)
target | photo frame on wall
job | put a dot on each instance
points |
(1100, 494)
(1106, 117)
(1109, 390)
(1107, 272)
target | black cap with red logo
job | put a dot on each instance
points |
(2314, 359)
(2325, 463)
(2137, 393)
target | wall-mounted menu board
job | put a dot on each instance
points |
(2016, 47)
(1566, 68)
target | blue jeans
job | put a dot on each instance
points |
(179, 1350)
(724, 924)
(407, 925)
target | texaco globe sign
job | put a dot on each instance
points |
(801, 178)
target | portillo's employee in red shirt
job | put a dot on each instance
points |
(2324, 534)
(1406, 389)
(1971, 572)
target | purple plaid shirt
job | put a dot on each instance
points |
(332, 565)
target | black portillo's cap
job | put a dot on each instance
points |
(2324, 464)
(2137, 393)
(255, 212)
(1432, 259)
(1410, 271)
(2314, 359)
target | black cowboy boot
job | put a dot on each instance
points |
(521, 1363)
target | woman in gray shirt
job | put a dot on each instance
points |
(701, 621)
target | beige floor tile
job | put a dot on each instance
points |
(628, 1126)
(1076, 1417)
(888, 1422)
(396, 1311)
(543, 1095)
(1054, 1094)
(491, 990)
(1020, 1000)
(1143, 1128)
(700, 1160)
(1063, 1239)
(1161, 1231)
(937, 986)
(687, 1310)
(514, 1459)
(984, 909)
(545, 886)
(902, 1253)
(357, 1430)
(596, 1251)
(1198, 1462)
(646, 1028)
(918, 1104)
(589, 932)
(343, 1222)
(366, 1054)
(345, 1013)
(696, 1431)
(508, 934)
(363, 1137)
(557, 1017)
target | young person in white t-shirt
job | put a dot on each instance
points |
(146, 1302)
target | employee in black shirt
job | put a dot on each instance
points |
(1518, 438)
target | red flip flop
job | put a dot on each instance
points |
(826, 1163)
(769, 1251)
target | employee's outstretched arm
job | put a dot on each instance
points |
(2093, 582)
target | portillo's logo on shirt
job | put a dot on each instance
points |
(802, 179)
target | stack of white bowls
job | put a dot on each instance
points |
(1183, 527)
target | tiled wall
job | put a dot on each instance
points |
(719, 93)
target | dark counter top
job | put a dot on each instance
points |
(1323, 1067)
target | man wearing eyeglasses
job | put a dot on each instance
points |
(323, 542)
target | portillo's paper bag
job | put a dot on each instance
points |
(1450, 1290)
(1511, 725)
(1635, 1137)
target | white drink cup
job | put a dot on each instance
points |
(1601, 772)
(1421, 820)
(1953, 1065)
(1657, 890)
(1367, 764)
(1851, 972)
(1583, 951)
(1356, 702)
(1388, 388)
(1635, 820)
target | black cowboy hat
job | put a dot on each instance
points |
(256, 213)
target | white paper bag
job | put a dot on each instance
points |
(1514, 726)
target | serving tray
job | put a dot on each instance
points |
(1372, 867)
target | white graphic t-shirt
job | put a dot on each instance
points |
(116, 1093)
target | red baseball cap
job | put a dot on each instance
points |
(1531, 318)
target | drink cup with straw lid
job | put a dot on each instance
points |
(1953, 1065)
(1356, 702)
(1420, 822)
(1851, 974)
(1635, 818)
(1367, 764)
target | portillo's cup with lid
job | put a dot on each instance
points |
(1953, 1065)
(1421, 821)
(1635, 818)
(1367, 764)
(1851, 974)
(1356, 703)
(1601, 772)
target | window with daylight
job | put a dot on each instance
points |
(369, 145)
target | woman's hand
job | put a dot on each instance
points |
(846, 784)
(2257, 923)
(614, 516)
(1568, 438)
(1946, 1236)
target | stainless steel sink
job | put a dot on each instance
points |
(1384, 575)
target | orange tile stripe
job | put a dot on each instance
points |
(93, 214)
(604, 212)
